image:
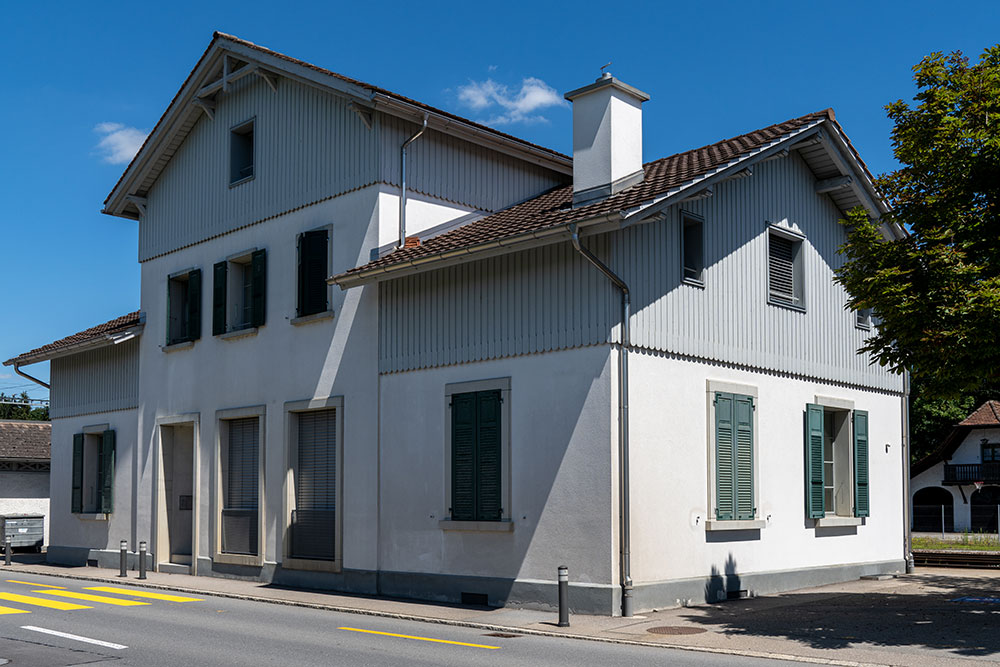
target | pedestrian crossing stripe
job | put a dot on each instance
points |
(11, 610)
(32, 583)
(41, 602)
(142, 594)
(94, 598)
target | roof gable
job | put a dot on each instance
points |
(986, 415)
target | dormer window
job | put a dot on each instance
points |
(241, 153)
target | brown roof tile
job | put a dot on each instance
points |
(114, 326)
(25, 440)
(555, 208)
(987, 414)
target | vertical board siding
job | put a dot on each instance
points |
(308, 146)
(99, 380)
(548, 298)
(459, 171)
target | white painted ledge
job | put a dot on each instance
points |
(714, 525)
(480, 526)
(239, 333)
(239, 559)
(173, 347)
(315, 317)
(92, 516)
(837, 521)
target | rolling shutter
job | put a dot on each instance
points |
(743, 464)
(488, 457)
(313, 272)
(725, 474)
(76, 501)
(815, 508)
(463, 457)
(194, 305)
(106, 470)
(314, 517)
(258, 287)
(219, 298)
(239, 513)
(861, 508)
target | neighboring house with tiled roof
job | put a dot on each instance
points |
(961, 477)
(429, 390)
(24, 470)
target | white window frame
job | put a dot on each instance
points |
(711, 523)
(798, 267)
(292, 410)
(222, 419)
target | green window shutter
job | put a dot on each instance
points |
(861, 507)
(313, 272)
(76, 502)
(814, 461)
(743, 418)
(219, 298)
(194, 305)
(258, 287)
(463, 457)
(725, 474)
(106, 483)
(488, 457)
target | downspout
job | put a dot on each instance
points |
(623, 472)
(17, 369)
(402, 183)
(907, 533)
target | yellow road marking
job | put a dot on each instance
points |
(423, 639)
(40, 602)
(11, 610)
(141, 594)
(94, 598)
(33, 583)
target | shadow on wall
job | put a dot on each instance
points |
(932, 616)
(720, 587)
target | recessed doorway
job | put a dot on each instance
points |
(176, 499)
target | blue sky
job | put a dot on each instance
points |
(81, 86)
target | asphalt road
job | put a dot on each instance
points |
(207, 631)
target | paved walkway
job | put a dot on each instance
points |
(911, 621)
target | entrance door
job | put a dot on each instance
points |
(177, 494)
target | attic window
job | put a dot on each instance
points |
(784, 269)
(692, 248)
(241, 153)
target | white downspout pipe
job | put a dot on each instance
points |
(17, 369)
(625, 533)
(402, 183)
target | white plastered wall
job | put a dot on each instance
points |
(23, 492)
(422, 213)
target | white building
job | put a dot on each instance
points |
(944, 483)
(24, 475)
(454, 421)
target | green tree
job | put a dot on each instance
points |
(936, 293)
(9, 411)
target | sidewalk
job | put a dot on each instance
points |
(909, 621)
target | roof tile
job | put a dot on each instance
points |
(25, 440)
(987, 414)
(116, 325)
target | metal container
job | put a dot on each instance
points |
(25, 530)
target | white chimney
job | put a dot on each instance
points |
(607, 138)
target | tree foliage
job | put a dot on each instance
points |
(936, 293)
(8, 411)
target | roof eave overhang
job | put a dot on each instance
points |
(104, 340)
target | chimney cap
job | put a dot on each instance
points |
(604, 81)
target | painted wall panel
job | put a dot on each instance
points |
(99, 380)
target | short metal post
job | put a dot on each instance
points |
(6, 549)
(942, 522)
(563, 596)
(142, 560)
(123, 570)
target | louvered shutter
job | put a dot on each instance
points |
(194, 305)
(76, 501)
(815, 508)
(314, 518)
(463, 457)
(107, 472)
(313, 272)
(488, 457)
(781, 268)
(743, 418)
(258, 287)
(239, 514)
(725, 474)
(219, 298)
(861, 507)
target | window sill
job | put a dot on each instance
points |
(243, 180)
(239, 333)
(238, 559)
(783, 304)
(290, 563)
(173, 347)
(712, 525)
(700, 284)
(478, 526)
(314, 317)
(838, 521)
(91, 516)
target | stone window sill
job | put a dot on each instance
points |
(307, 564)
(315, 317)
(238, 559)
(478, 526)
(173, 347)
(837, 521)
(715, 525)
(239, 333)
(92, 516)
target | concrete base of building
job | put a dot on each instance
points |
(82, 557)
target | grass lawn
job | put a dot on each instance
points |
(967, 542)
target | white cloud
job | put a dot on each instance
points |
(119, 143)
(5, 376)
(520, 106)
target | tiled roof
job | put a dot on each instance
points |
(554, 208)
(25, 440)
(987, 414)
(114, 326)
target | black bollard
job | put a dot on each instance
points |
(142, 560)
(563, 596)
(6, 549)
(124, 559)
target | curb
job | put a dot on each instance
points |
(455, 622)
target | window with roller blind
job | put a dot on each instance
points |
(240, 475)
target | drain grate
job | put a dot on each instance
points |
(675, 630)
(502, 635)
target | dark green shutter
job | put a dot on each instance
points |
(861, 507)
(258, 287)
(744, 456)
(488, 457)
(313, 272)
(107, 471)
(814, 462)
(76, 502)
(219, 298)
(194, 305)
(725, 475)
(463, 457)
